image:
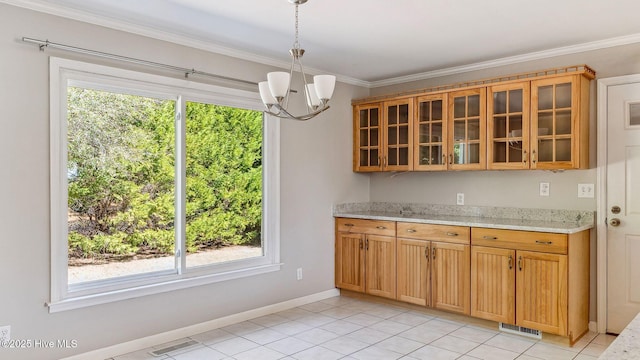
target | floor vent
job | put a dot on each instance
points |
(519, 330)
(182, 345)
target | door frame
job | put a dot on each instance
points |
(601, 201)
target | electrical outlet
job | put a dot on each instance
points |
(586, 191)
(544, 189)
(299, 273)
(5, 333)
(459, 199)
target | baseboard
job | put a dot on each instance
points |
(593, 326)
(172, 335)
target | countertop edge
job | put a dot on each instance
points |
(481, 222)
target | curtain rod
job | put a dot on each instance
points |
(42, 44)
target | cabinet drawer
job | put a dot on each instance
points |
(520, 240)
(445, 233)
(362, 226)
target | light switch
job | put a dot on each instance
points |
(544, 189)
(586, 191)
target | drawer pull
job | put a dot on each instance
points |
(489, 237)
(411, 231)
(452, 234)
(381, 227)
(349, 225)
(542, 242)
(520, 263)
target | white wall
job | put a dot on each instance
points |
(315, 173)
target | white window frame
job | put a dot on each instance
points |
(65, 297)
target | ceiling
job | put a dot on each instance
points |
(371, 42)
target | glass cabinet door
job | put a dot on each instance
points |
(368, 138)
(508, 126)
(430, 133)
(553, 112)
(397, 136)
(467, 128)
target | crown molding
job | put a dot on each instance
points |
(544, 54)
(74, 14)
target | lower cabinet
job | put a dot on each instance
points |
(433, 266)
(366, 256)
(531, 279)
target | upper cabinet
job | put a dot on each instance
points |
(398, 130)
(367, 137)
(508, 126)
(527, 121)
(383, 136)
(560, 123)
(467, 126)
(430, 133)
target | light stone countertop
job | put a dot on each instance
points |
(627, 345)
(551, 221)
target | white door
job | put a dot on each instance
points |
(623, 205)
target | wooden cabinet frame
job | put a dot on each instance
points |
(511, 139)
(531, 279)
(434, 266)
(578, 77)
(546, 274)
(365, 253)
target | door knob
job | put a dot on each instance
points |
(614, 222)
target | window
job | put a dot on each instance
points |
(157, 184)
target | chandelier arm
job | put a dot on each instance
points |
(307, 96)
(284, 114)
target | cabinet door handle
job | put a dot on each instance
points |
(510, 262)
(411, 231)
(452, 234)
(524, 156)
(433, 253)
(367, 245)
(379, 161)
(450, 159)
(444, 159)
(381, 227)
(542, 242)
(426, 254)
(384, 161)
(520, 263)
(489, 237)
(360, 244)
(533, 157)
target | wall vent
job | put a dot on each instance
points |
(519, 330)
(182, 345)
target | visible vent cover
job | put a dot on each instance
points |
(519, 330)
(171, 348)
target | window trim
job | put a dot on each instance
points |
(116, 289)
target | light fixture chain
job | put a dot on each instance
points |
(296, 44)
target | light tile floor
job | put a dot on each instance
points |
(347, 328)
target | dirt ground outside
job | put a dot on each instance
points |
(78, 274)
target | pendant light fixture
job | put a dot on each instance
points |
(275, 92)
